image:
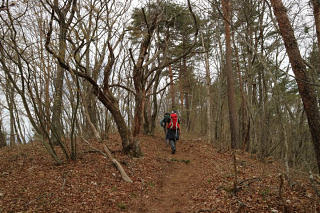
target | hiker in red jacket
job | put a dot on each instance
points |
(173, 132)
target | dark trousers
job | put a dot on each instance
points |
(172, 136)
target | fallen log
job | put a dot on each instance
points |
(124, 175)
(108, 154)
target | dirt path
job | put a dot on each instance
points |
(198, 178)
(178, 184)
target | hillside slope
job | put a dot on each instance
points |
(195, 179)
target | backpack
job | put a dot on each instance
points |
(174, 122)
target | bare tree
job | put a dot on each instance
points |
(230, 78)
(208, 83)
(103, 92)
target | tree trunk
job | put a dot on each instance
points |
(155, 102)
(106, 125)
(10, 100)
(111, 104)
(3, 142)
(230, 81)
(316, 14)
(208, 96)
(187, 91)
(306, 92)
(147, 116)
(244, 124)
(172, 89)
(56, 125)
(138, 112)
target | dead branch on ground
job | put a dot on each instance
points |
(108, 154)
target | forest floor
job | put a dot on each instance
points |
(197, 178)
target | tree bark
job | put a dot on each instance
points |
(10, 100)
(306, 91)
(208, 96)
(56, 126)
(147, 116)
(172, 89)
(226, 4)
(316, 14)
(3, 142)
(155, 102)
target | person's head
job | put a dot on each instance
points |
(174, 111)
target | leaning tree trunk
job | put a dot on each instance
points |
(230, 81)
(306, 91)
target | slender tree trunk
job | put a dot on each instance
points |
(306, 91)
(244, 124)
(12, 119)
(316, 14)
(208, 96)
(155, 102)
(181, 87)
(187, 89)
(147, 116)
(20, 133)
(74, 121)
(230, 81)
(172, 89)
(9, 94)
(3, 142)
(106, 125)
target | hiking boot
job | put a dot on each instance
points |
(173, 151)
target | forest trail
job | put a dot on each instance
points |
(176, 187)
(195, 168)
(198, 178)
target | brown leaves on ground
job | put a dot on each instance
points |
(196, 179)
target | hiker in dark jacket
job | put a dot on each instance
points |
(173, 131)
(164, 122)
